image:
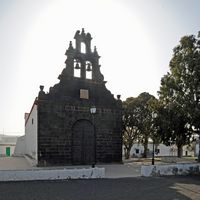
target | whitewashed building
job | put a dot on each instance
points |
(197, 148)
(27, 144)
(7, 145)
(137, 150)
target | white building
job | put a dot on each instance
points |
(197, 148)
(27, 144)
(7, 145)
(137, 150)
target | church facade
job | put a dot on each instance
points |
(78, 122)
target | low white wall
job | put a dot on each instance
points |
(55, 174)
(164, 170)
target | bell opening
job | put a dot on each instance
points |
(88, 70)
(77, 69)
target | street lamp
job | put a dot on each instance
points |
(93, 111)
(154, 115)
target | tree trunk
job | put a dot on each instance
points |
(127, 152)
(180, 151)
(145, 147)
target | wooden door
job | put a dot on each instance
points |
(83, 143)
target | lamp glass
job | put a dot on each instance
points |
(93, 110)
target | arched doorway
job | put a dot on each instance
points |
(83, 143)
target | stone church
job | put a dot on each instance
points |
(78, 122)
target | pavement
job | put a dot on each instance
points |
(122, 181)
(14, 163)
(137, 188)
(130, 168)
(121, 170)
(111, 170)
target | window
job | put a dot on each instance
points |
(32, 120)
(157, 151)
(137, 151)
(83, 47)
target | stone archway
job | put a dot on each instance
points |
(83, 143)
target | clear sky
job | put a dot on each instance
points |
(134, 38)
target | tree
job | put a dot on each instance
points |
(153, 106)
(145, 120)
(180, 89)
(185, 66)
(172, 126)
(130, 124)
(137, 122)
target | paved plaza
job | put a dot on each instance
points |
(122, 181)
(111, 170)
(14, 163)
(130, 168)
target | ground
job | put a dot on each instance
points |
(165, 188)
(112, 170)
(122, 182)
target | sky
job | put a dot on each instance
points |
(135, 39)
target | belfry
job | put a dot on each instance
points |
(79, 120)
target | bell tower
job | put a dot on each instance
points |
(81, 61)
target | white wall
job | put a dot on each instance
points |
(7, 141)
(197, 149)
(31, 133)
(175, 169)
(48, 174)
(20, 146)
(3, 149)
(189, 150)
(163, 150)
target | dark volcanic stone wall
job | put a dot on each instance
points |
(55, 133)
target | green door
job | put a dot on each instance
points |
(7, 151)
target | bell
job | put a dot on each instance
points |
(77, 66)
(88, 67)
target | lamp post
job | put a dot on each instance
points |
(199, 150)
(153, 159)
(154, 115)
(93, 111)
